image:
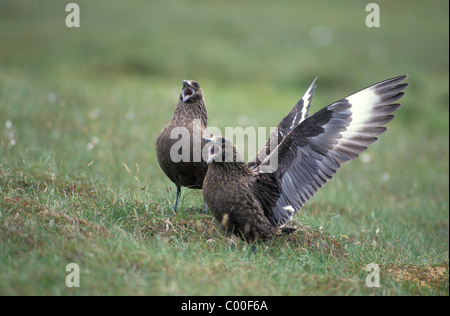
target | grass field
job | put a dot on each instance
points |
(80, 109)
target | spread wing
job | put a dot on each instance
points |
(297, 115)
(314, 150)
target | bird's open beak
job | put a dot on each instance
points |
(187, 91)
(213, 150)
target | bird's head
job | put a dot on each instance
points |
(191, 92)
(222, 150)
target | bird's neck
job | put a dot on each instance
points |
(192, 111)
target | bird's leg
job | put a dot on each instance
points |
(176, 201)
(205, 208)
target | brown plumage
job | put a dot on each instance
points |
(189, 116)
(256, 200)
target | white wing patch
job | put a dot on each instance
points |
(307, 97)
(362, 109)
(290, 210)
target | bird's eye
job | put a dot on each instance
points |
(196, 85)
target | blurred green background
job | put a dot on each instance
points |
(86, 104)
(115, 80)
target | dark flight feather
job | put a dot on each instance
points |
(297, 115)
